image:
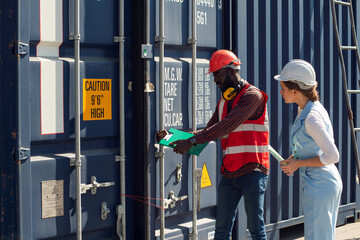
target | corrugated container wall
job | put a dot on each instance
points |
(38, 114)
(270, 33)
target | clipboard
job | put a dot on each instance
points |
(175, 135)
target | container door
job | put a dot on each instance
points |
(47, 120)
(177, 106)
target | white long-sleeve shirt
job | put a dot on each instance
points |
(315, 127)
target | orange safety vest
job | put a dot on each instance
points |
(249, 142)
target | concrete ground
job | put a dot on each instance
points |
(350, 231)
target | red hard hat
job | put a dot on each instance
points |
(221, 58)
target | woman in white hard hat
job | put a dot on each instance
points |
(313, 151)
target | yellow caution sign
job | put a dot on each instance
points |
(96, 99)
(205, 178)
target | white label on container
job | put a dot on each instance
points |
(52, 198)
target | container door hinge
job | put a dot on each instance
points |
(21, 49)
(22, 154)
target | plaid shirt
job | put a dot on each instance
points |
(250, 106)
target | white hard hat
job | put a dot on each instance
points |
(300, 72)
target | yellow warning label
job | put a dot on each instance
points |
(96, 99)
(205, 178)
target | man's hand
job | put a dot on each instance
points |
(182, 146)
(161, 134)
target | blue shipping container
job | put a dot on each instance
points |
(65, 116)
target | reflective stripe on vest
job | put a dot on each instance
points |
(246, 148)
(251, 127)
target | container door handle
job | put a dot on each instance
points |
(171, 201)
(94, 185)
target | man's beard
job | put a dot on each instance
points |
(228, 83)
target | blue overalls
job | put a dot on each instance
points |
(322, 186)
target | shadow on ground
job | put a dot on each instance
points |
(293, 232)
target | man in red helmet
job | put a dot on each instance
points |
(240, 121)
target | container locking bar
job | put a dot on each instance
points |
(171, 201)
(21, 48)
(94, 185)
(198, 175)
(22, 154)
(120, 212)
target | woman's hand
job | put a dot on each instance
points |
(290, 165)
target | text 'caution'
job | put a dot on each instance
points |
(96, 99)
